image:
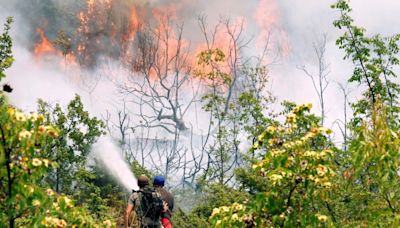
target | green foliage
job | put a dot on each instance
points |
(77, 132)
(293, 176)
(138, 170)
(375, 59)
(23, 199)
(22, 163)
(91, 193)
(251, 115)
(297, 172)
(188, 220)
(303, 180)
(214, 195)
(233, 111)
(210, 67)
(6, 57)
(223, 152)
(63, 42)
(369, 169)
(251, 180)
(370, 182)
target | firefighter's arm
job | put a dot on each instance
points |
(127, 213)
(165, 206)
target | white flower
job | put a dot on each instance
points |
(24, 134)
(46, 162)
(271, 129)
(107, 223)
(215, 212)
(310, 154)
(49, 192)
(36, 203)
(327, 184)
(322, 170)
(36, 162)
(237, 206)
(291, 118)
(33, 116)
(235, 217)
(322, 218)
(275, 178)
(224, 209)
(19, 116)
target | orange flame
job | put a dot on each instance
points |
(224, 40)
(129, 37)
(171, 46)
(44, 46)
(133, 26)
(169, 10)
(267, 18)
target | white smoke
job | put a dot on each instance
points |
(110, 156)
(304, 24)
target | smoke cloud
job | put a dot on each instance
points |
(305, 23)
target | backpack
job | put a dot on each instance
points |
(151, 204)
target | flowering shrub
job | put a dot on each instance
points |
(23, 200)
(234, 215)
(24, 138)
(298, 170)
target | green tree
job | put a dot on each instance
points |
(223, 148)
(370, 179)
(24, 200)
(369, 169)
(253, 102)
(64, 43)
(375, 60)
(6, 57)
(77, 132)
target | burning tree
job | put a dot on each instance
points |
(159, 86)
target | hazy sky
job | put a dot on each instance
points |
(305, 21)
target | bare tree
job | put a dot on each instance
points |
(160, 92)
(320, 80)
(120, 129)
(342, 124)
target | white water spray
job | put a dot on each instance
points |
(105, 151)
